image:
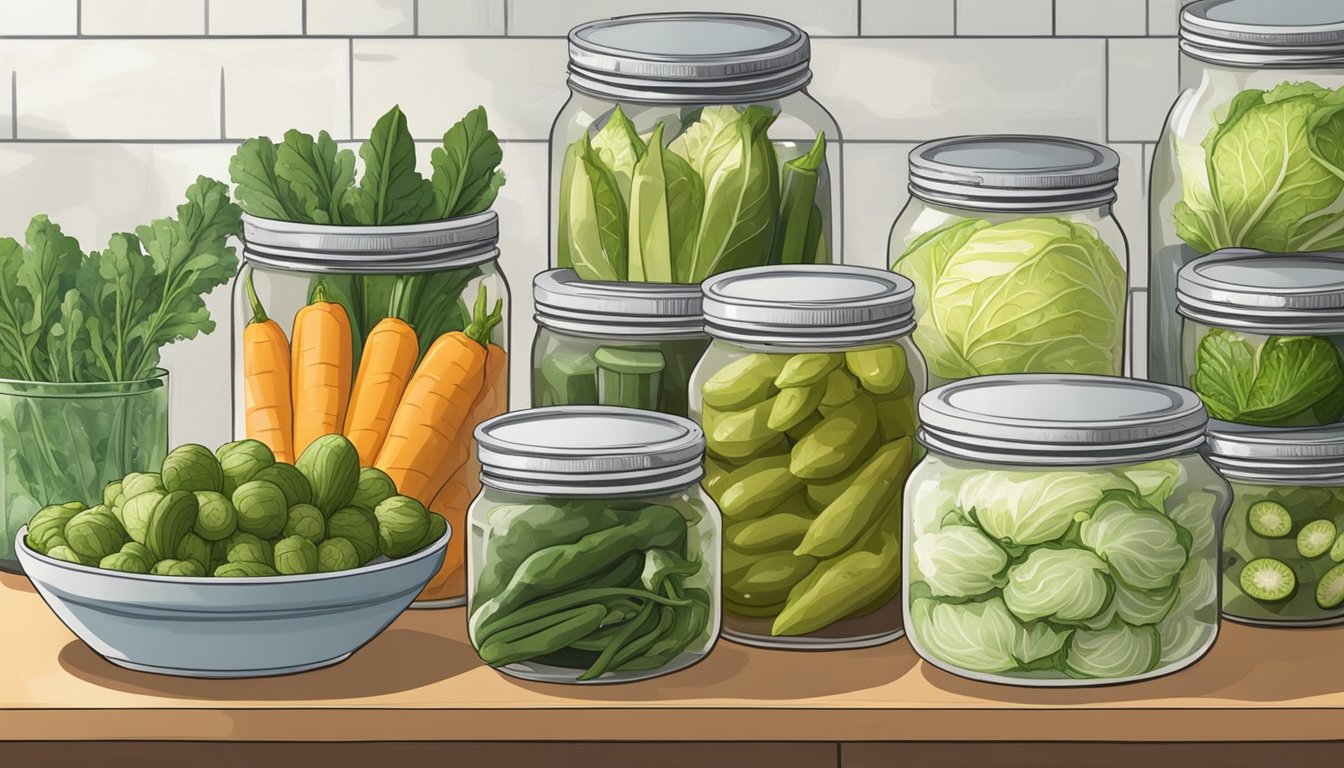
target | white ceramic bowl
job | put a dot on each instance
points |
(245, 627)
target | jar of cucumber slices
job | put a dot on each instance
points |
(1283, 544)
(807, 398)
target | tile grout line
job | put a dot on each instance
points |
(223, 132)
(1106, 90)
(350, 82)
(859, 19)
(303, 23)
(79, 18)
(955, 3)
(902, 38)
(506, 17)
(14, 105)
(207, 18)
(415, 17)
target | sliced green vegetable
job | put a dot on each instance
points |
(629, 377)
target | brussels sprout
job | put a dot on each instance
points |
(215, 519)
(1113, 653)
(1023, 508)
(974, 636)
(173, 518)
(374, 486)
(193, 547)
(434, 531)
(137, 483)
(1143, 548)
(177, 568)
(337, 554)
(136, 549)
(295, 555)
(307, 521)
(290, 481)
(402, 525)
(112, 494)
(192, 467)
(136, 512)
(47, 528)
(331, 465)
(959, 561)
(1037, 641)
(94, 533)
(359, 526)
(1059, 584)
(63, 552)
(240, 460)
(261, 508)
(124, 562)
(244, 569)
(246, 548)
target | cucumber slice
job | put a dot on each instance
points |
(1315, 538)
(1337, 551)
(1330, 592)
(1269, 519)
(1267, 579)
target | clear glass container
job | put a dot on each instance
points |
(627, 344)
(1283, 544)
(1017, 258)
(807, 397)
(404, 288)
(726, 97)
(1244, 63)
(593, 552)
(1263, 342)
(1062, 531)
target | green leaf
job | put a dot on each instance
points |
(597, 220)
(50, 263)
(14, 307)
(390, 191)
(120, 286)
(466, 179)
(258, 188)
(1295, 373)
(1224, 372)
(317, 173)
(666, 200)
(619, 146)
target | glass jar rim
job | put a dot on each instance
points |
(1286, 455)
(1014, 172)
(1252, 290)
(82, 389)
(1263, 33)
(420, 247)
(564, 302)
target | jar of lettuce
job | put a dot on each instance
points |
(1017, 260)
(1263, 336)
(1246, 158)
(605, 343)
(690, 146)
(593, 552)
(1283, 544)
(1062, 531)
(807, 397)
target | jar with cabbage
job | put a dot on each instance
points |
(1264, 336)
(1062, 531)
(1247, 157)
(1283, 544)
(1017, 260)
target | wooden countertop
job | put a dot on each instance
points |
(421, 681)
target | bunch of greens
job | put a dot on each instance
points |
(1035, 295)
(1091, 574)
(1287, 381)
(711, 199)
(311, 181)
(1271, 175)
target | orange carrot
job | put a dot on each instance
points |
(387, 364)
(322, 362)
(269, 416)
(434, 408)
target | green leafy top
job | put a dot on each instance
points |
(70, 317)
(313, 181)
(1289, 381)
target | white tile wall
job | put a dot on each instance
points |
(148, 114)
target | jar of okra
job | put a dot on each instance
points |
(593, 552)
(626, 344)
(1283, 542)
(807, 397)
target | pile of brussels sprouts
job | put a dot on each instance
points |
(239, 512)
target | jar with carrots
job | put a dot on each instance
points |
(394, 336)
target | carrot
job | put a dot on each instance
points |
(388, 361)
(434, 408)
(269, 415)
(322, 362)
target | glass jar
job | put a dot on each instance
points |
(1283, 550)
(807, 397)
(626, 344)
(332, 293)
(1017, 259)
(674, 120)
(1244, 63)
(1263, 342)
(1062, 531)
(593, 551)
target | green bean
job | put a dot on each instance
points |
(551, 635)
(564, 601)
(628, 631)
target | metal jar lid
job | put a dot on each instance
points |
(688, 58)
(565, 303)
(1265, 33)
(425, 247)
(808, 305)
(590, 451)
(1010, 173)
(1059, 420)
(1248, 290)
(1303, 455)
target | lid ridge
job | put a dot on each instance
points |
(1014, 171)
(1264, 33)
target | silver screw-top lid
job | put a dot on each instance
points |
(1304, 455)
(425, 247)
(1265, 33)
(809, 305)
(689, 58)
(1243, 289)
(565, 303)
(1055, 420)
(1040, 173)
(590, 451)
